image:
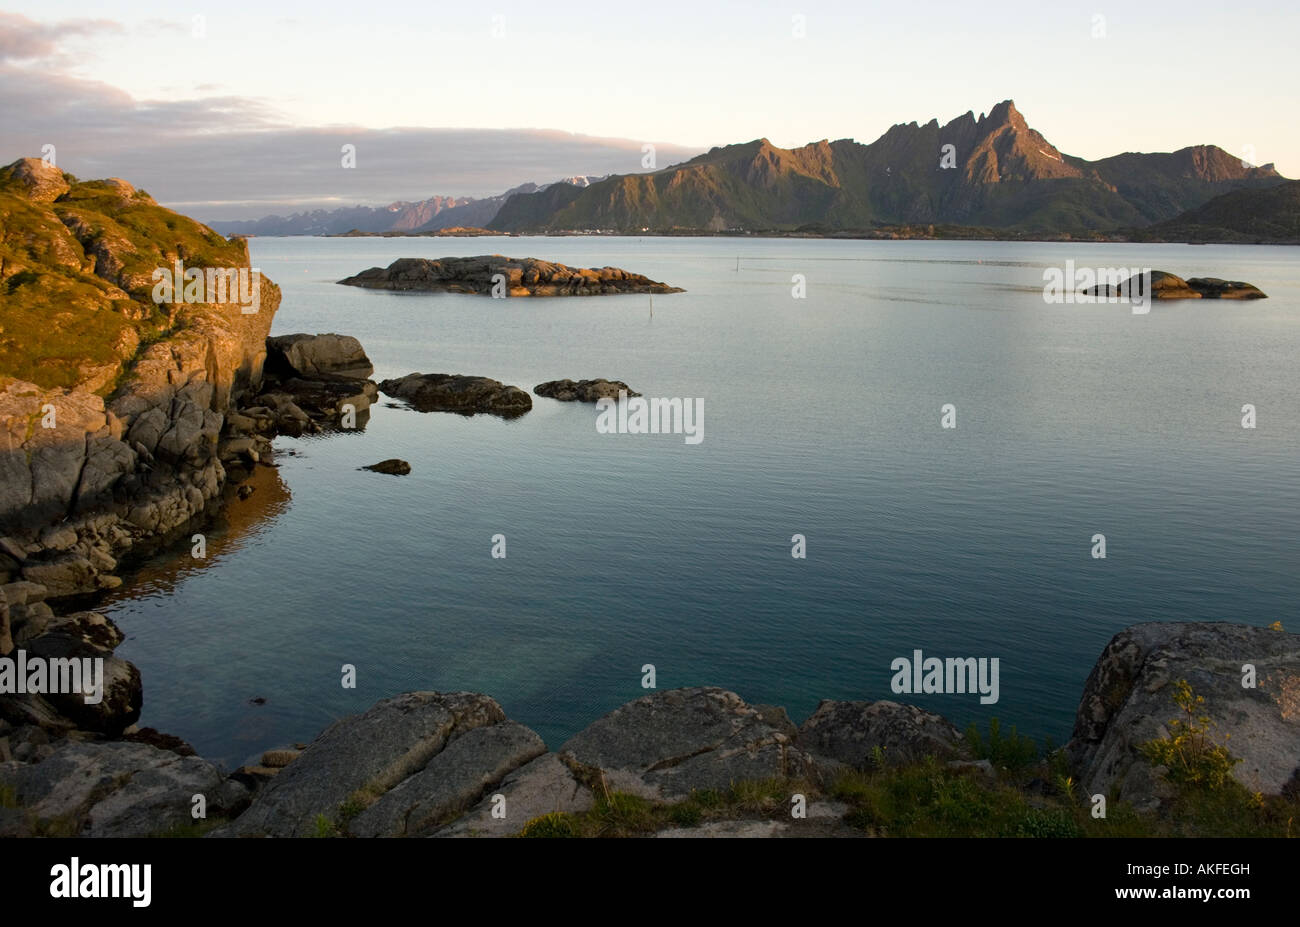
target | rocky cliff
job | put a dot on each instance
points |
(113, 392)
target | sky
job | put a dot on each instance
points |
(240, 106)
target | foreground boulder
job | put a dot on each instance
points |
(851, 732)
(452, 781)
(517, 276)
(37, 633)
(443, 392)
(667, 744)
(357, 760)
(544, 786)
(583, 390)
(310, 356)
(116, 789)
(1128, 700)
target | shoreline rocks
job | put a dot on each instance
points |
(519, 277)
(453, 765)
(444, 392)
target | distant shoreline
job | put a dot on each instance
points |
(882, 234)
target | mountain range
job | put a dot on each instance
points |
(994, 171)
(428, 215)
(993, 175)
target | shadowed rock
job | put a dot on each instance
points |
(1165, 285)
(851, 731)
(117, 789)
(583, 390)
(392, 466)
(443, 392)
(309, 356)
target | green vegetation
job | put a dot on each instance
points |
(1030, 794)
(555, 824)
(1188, 754)
(619, 814)
(1013, 752)
(76, 280)
(324, 827)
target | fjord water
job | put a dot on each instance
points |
(821, 417)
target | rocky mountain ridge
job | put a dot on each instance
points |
(994, 170)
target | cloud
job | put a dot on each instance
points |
(23, 39)
(232, 157)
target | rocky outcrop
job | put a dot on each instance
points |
(494, 274)
(1165, 285)
(442, 392)
(583, 390)
(107, 452)
(1128, 700)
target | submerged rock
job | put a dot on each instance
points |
(1214, 288)
(443, 392)
(520, 277)
(392, 466)
(583, 390)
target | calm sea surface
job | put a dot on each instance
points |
(822, 418)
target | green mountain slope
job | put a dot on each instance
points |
(1268, 215)
(76, 265)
